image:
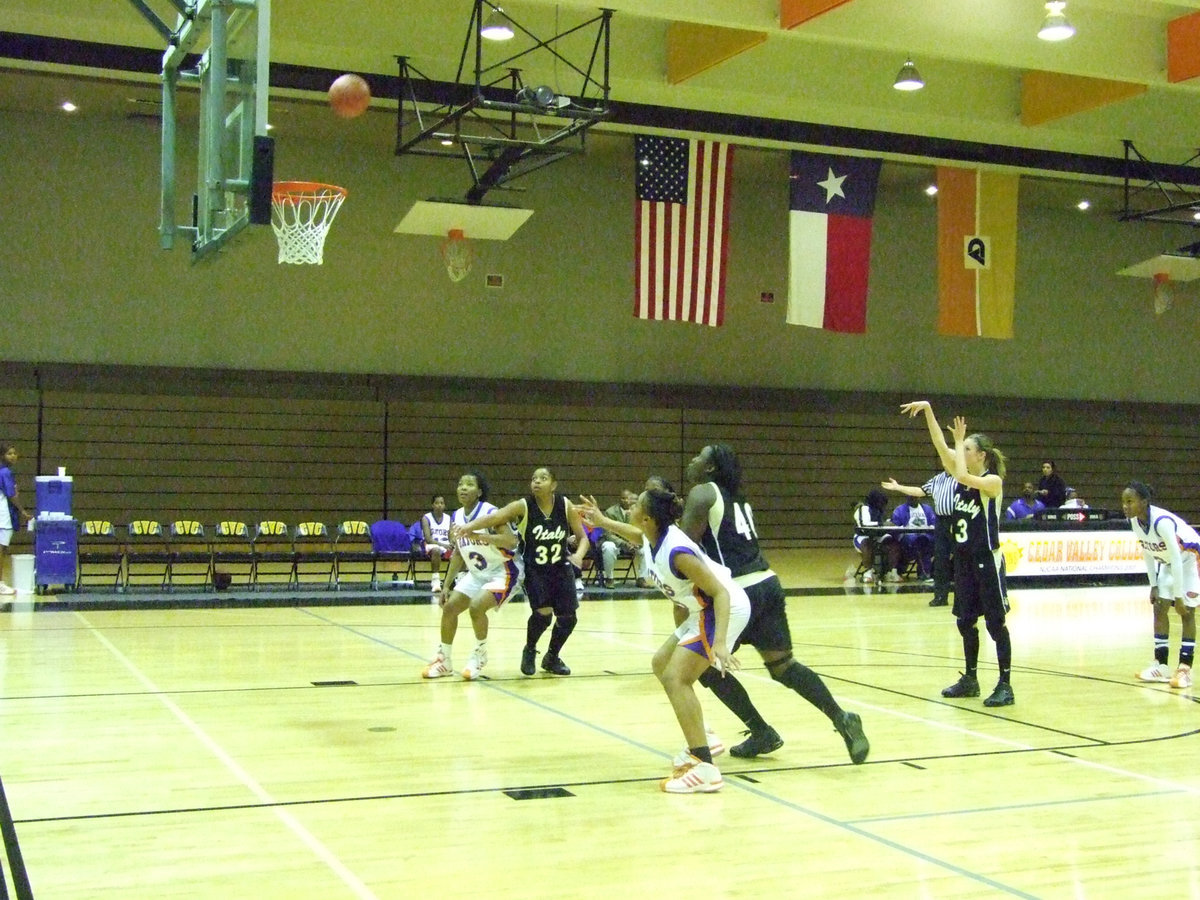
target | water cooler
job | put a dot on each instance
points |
(55, 533)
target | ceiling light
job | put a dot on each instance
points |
(543, 97)
(908, 78)
(1083, 205)
(497, 26)
(931, 191)
(1056, 27)
(68, 106)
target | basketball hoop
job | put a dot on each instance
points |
(457, 254)
(302, 214)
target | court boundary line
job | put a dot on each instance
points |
(356, 885)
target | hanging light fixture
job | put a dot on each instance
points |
(908, 78)
(1056, 27)
(497, 26)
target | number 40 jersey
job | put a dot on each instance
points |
(731, 539)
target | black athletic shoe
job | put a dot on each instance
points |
(554, 665)
(939, 601)
(966, 686)
(849, 726)
(758, 743)
(528, 655)
(1001, 696)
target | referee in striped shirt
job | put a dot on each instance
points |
(941, 489)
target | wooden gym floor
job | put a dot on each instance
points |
(296, 753)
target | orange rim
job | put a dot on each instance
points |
(295, 191)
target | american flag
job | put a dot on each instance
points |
(681, 229)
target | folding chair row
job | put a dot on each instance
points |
(270, 554)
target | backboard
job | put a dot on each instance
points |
(488, 223)
(222, 49)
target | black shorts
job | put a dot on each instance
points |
(768, 625)
(552, 586)
(979, 588)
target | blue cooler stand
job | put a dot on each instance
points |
(55, 549)
(55, 534)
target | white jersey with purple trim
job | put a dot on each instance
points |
(478, 556)
(679, 590)
(439, 532)
(1166, 541)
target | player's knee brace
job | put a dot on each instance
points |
(996, 628)
(778, 667)
(966, 627)
(710, 678)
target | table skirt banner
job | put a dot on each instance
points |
(1034, 553)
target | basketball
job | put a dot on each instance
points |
(349, 95)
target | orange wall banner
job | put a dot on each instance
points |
(977, 252)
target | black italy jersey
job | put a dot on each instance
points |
(976, 521)
(544, 542)
(731, 539)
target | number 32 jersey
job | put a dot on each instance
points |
(545, 537)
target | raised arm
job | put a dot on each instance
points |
(593, 515)
(506, 515)
(694, 520)
(989, 485)
(909, 490)
(945, 454)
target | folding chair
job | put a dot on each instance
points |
(190, 560)
(100, 554)
(416, 536)
(314, 554)
(147, 556)
(232, 555)
(354, 556)
(392, 544)
(274, 555)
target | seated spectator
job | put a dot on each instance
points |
(609, 546)
(435, 525)
(1074, 501)
(1026, 505)
(916, 548)
(872, 511)
(1052, 490)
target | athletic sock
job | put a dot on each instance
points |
(701, 753)
(535, 628)
(732, 693)
(1161, 648)
(808, 684)
(563, 626)
(1187, 650)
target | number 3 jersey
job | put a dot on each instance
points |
(480, 557)
(976, 520)
(544, 540)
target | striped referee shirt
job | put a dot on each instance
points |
(941, 487)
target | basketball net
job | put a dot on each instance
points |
(457, 254)
(1162, 292)
(302, 212)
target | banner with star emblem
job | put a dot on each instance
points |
(832, 205)
(681, 229)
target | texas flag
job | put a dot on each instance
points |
(832, 202)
